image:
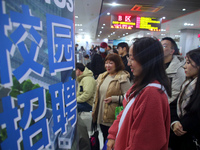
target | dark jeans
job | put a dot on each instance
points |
(84, 107)
(104, 130)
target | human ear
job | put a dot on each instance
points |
(172, 51)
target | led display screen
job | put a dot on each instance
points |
(135, 22)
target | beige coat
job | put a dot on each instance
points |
(86, 87)
(176, 74)
(114, 88)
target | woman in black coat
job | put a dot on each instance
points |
(185, 110)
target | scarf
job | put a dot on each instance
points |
(187, 90)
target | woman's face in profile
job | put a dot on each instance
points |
(136, 68)
(110, 66)
(191, 69)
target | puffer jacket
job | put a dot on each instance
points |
(86, 87)
(114, 89)
(176, 74)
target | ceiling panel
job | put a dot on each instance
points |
(93, 14)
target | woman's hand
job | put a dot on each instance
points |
(108, 100)
(110, 144)
(178, 129)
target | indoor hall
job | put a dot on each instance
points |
(108, 21)
(176, 19)
(38, 102)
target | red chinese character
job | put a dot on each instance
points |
(127, 18)
(119, 18)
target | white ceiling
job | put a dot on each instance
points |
(92, 14)
(88, 15)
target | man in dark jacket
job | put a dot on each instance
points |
(123, 52)
(103, 50)
(97, 64)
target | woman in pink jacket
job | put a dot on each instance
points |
(144, 124)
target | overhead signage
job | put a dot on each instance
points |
(149, 23)
(123, 22)
(135, 22)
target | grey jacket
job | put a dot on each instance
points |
(176, 74)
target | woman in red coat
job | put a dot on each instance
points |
(144, 124)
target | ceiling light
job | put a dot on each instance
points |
(79, 25)
(98, 35)
(100, 31)
(126, 33)
(188, 24)
(105, 40)
(113, 32)
(76, 16)
(183, 9)
(102, 27)
(164, 17)
(108, 35)
(104, 24)
(108, 13)
(114, 4)
(123, 34)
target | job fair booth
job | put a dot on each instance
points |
(37, 85)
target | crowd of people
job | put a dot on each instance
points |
(158, 88)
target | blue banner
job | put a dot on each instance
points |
(37, 86)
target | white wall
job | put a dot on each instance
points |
(189, 40)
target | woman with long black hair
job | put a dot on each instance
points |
(144, 124)
(185, 110)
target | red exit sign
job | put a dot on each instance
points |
(198, 35)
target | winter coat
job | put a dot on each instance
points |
(97, 65)
(176, 74)
(189, 121)
(146, 125)
(86, 87)
(191, 124)
(114, 89)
